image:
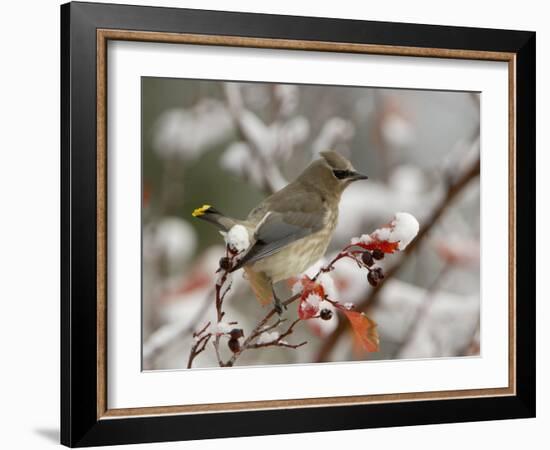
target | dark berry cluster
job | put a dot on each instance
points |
(369, 258)
(233, 343)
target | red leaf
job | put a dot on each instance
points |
(312, 287)
(385, 246)
(306, 309)
(365, 330)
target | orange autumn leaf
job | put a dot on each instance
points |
(384, 246)
(364, 329)
(310, 289)
(307, 310)
(357, 348)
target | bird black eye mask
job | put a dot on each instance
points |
(341, 174)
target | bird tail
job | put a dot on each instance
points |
(212, 215)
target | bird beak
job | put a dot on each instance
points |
(358, 176)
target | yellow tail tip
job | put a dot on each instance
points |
(200, 211)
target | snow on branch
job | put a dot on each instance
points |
(398, 233)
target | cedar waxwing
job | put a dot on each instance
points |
(291, 229)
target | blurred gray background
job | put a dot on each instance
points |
(231, 144)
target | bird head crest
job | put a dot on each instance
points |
(335, 160)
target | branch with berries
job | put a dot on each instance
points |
(314, 296)
(263, 335)
(455, 186)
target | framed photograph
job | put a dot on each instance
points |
(276, 224)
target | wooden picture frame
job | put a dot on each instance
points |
(86, 418)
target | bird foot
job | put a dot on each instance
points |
(278, 305)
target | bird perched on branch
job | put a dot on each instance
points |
(291, 229)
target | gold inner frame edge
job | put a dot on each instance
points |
(103, 36)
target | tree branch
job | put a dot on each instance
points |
(454, 187)
(201, 340)
(259, 329)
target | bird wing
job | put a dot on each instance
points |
(295, 217)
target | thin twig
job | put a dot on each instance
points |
(198, 348)
(201, 340)
(259, 329)
(279, 342)
(268, 328)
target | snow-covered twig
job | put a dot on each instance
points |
(262, 328)
(276, 339)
